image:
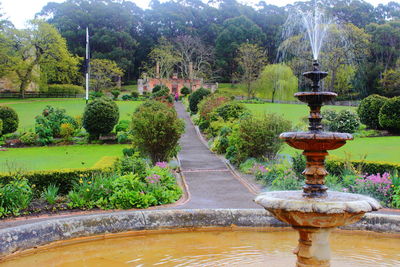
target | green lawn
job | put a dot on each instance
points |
(291, 112)
(56, 157)
(375, 148)
(28, 109)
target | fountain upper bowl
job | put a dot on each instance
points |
(315, 140)
(336, 209)
(315, 97)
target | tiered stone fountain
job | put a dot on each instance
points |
(315, 212)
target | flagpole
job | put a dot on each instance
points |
(87, 65)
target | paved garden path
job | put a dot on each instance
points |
(210, 182)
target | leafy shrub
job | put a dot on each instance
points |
(128, 152)
(369, 108)
(100, 117)
(44, 130)
(123, 137)
(50, 194)
(258, 137)
(231, 111)
(132, 164)
(67, 131)
(95, 94)
(14, 197)
(63, 178)
(161, 93)
(209, 104)
(1, 127)
(127, 191)
(115, 93)
(29, 138)
(185, 91)
(156, 130)
(396, 198)
(196, 97)
(122, 126)
(389, 115)
(277, 176)
(221, 142)
(159, 87)
(135, 94)
(67, 89)
(298, 164)
(9, 118)
(345, 121)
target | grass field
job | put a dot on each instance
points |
(56, 157)
(291, 112)
(374, 148)
(28, 109)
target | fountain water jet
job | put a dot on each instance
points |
(314, 212)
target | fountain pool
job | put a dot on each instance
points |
(212, 247)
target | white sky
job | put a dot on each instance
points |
(19, 11)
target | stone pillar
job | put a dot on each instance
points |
(140, 86)
(313, 248)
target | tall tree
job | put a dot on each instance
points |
(195, 54)
(41, 46)
(104, 73)
(250, 59)
(278, 82)
(236, 31)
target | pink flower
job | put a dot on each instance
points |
(162, 164)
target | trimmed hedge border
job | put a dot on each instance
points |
(335, 165)
(28, 236)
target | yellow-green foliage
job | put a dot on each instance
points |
(63, 178)
(105, 161)
(335, 166)
(278, 82)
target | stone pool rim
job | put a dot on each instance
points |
(32, 235)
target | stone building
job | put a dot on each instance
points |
(174, 84)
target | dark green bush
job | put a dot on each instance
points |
(161, 92)
(67, 89)
(95, 94)
(1, 127)
(9, 118)
(257, 138)
(135, 94)
(196, 97)
(156, 130)
(100, 117)
(185, 91)
(126, 97)
(115, 93)
(345, 121)
(389, 115)
(159, 87)
(369, 108)
(231, 111)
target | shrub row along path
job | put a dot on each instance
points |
(211, 184)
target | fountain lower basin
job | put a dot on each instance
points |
(315, 141)
(334, 210)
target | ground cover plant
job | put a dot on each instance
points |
(131, 182)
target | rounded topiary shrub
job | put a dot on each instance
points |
(389, 115)
(369, 108)
(156, 130)
(345, 121)
(231, 110)
(100, 117)
(185, 91)
(9, 118)
(196, 97)
(158, 87)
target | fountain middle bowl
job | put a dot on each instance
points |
(315, 140)
(336, 209)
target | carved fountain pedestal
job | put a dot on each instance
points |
(315, 212)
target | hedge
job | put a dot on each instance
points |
(65, 89)
(335, 166)
(63, 178)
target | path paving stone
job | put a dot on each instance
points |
(211, 183)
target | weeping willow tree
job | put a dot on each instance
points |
(277, 82)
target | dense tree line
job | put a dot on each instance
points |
(123, 32)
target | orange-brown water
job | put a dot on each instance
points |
(213, 248)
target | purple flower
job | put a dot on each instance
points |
(162, 164)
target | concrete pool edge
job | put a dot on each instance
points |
(27, 236)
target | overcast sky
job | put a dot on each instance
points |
(19, 11)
